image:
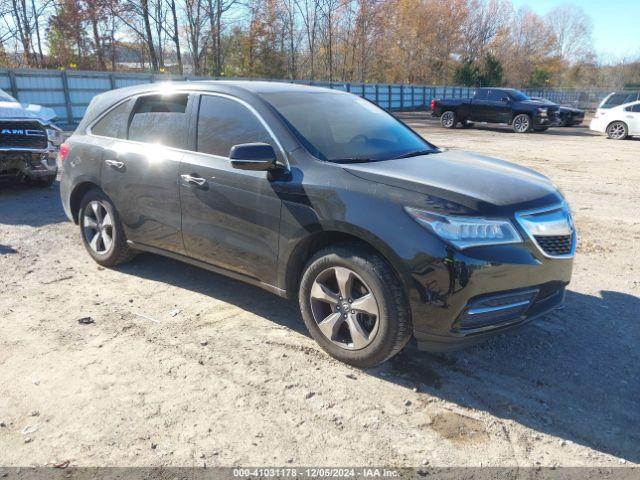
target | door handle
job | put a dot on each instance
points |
(114, 164)
(197, 181)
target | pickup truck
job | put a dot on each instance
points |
(497, 105)
(29, 142)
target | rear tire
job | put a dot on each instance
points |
(617, 131)
(354, 306)
(449, 119)
(101, 230)
(522, 123)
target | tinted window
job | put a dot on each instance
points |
(636, 108)
(223, 123)
(519, 96)
(160, 119)
(619, 99)
(496, 95)
(114, 123)
(481, 95)
(339, 127)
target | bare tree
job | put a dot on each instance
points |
(572, 31)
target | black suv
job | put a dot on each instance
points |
(320, 195)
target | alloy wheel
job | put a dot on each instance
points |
(345, 308)
(447, 119)
(617, 130)
(97, 227)
(521, 124)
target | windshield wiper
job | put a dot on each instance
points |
(416, 153)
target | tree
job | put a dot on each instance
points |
(572, 32)
(491, 73)
(467, 74)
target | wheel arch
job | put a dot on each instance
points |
(77, 193)
(323, 238)
(616, 121)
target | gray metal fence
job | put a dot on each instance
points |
(69, 92)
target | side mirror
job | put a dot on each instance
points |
(253, 156)
(505, 100)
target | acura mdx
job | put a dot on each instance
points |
(320, 195)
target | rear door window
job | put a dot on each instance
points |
(481, 95)
(223, 123)
(114, 123)
(161, 119)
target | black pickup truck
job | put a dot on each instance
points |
(497, 105)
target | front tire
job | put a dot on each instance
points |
(448, 119)
(354, 306)
(101, 230)
(522, 123)
(617, 131)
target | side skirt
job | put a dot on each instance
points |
(207, 266)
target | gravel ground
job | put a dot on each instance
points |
(183, 367)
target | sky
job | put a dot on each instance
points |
(616, 25)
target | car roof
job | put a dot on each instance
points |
(245, 89)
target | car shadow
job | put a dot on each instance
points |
(245, 296)
(571, 374)
(22, 204)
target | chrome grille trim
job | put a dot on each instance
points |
(552, 221)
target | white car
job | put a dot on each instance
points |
(618, 121)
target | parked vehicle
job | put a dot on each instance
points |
(497, 105)
(616, 99)
(28, 142)
(322, 196)
(618, 122)
(567, 116)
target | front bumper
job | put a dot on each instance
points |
(598, 125)
(462, 297)
(478, 322)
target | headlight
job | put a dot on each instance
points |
(542, 112)
(465, 232)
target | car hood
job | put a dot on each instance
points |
(481, 184)
(15, 110)
(539, 103)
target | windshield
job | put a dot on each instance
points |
(5, 97)
(344, 128)
(519, 96)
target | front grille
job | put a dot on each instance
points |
(23, 134)
(555, 244)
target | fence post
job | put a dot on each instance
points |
(424, 97)
(413, 97)
(377, 94)
(67, 96)
(401, 97)
(348, 87)
(389, 97)
(112, 81)
(14, 85)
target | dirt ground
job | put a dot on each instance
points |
(183, 367)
